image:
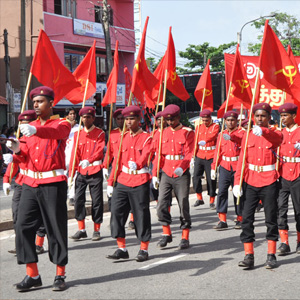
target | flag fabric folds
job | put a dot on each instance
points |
(112, 82)
(49, 70)
(85, 70)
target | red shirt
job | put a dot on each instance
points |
(45, 150)
(229, 149)
(209, 135)
(90, 147)
(290, 170)
(135, 147)
(261, 151)
(178, 141)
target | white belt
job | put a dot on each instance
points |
(95, 163)
(207, 148)
(262, 168)
(174, 157)
(42, 175)
(227, 158)
(291, 159)
(134, 172)
(23, 172)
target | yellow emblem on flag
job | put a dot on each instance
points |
(55, 80)
(243, 83)
(288, 72)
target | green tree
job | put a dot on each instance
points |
(286, 27)
(199, 54)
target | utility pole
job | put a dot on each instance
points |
(23, 51)
(7, 80)
(105, 23)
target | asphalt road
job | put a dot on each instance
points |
(207, 270)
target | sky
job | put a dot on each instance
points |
(196, 22)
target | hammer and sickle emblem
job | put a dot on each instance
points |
(243, 83)
(173, 76)
(288, 73)
(82, 82)
(207, 93)
(55, 80)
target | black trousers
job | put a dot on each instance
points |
(226, 179)
(43, 204)
(268, 195)
(95, 183)
(288, 188)
(137, 200)
(201, 166)
(181, 187)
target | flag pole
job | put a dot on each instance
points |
(22, 110)
(223, 125)
(241, 112)
(162, 122)
(280, 127)
(109, 131)
(248, 133)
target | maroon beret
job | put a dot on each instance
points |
(244, 122)
(131, 111)
(87, 110)
(290, 108)
(158, 115)
(231, 113)
(42, 91)
(27, 115)
(263, 106)
(117, 112)
(171, 111)
(205, 113)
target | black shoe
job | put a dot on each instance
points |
(131, 225)
(248, 262)
(271, 262)
(71, 202)
(59, 283)
(198, 202)
(212, 206)
(221, 226)
(164, 241)
(96, 236)
(283, 249)
(142, 256)
(79, 235)
(238, 225)
(13, 251)
(27, 283)
(119, 254)
(39, 249)
(184, 244)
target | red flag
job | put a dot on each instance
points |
(205, 83)
(240, 85)
(112, 82)
(276, 65)
(138, 93)
(142, 78)
(128, 81)
(232, 104)
(49, 70)
(85, 70)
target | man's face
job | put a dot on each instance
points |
(206, 121)
(173, 122)
(88, 120)
(72, 115)
(42, 105)
(120, 120)
(158, 122)
(231, 123)
(132, 123)
(288, 119)
(262, 118)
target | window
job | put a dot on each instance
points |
(99, 14)
(101, 69)
(65, 8)
(73, 60)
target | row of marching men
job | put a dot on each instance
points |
(41, 151)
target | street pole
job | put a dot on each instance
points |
(23, 50)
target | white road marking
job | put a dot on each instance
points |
(161, 262)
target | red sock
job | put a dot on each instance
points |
(199, 196)
(284, 236)
(298, 236)
(169, 209)
(167, 230)
(185, 233)
(81, 224)
(271, 247)
(39, 241)
(211, 200)
(223, 217)
(239, 218)
(144, 246)
(32, 270)
(97, 226)
(60, 270)
(121, 242)
(248, 247)
(131, 217)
